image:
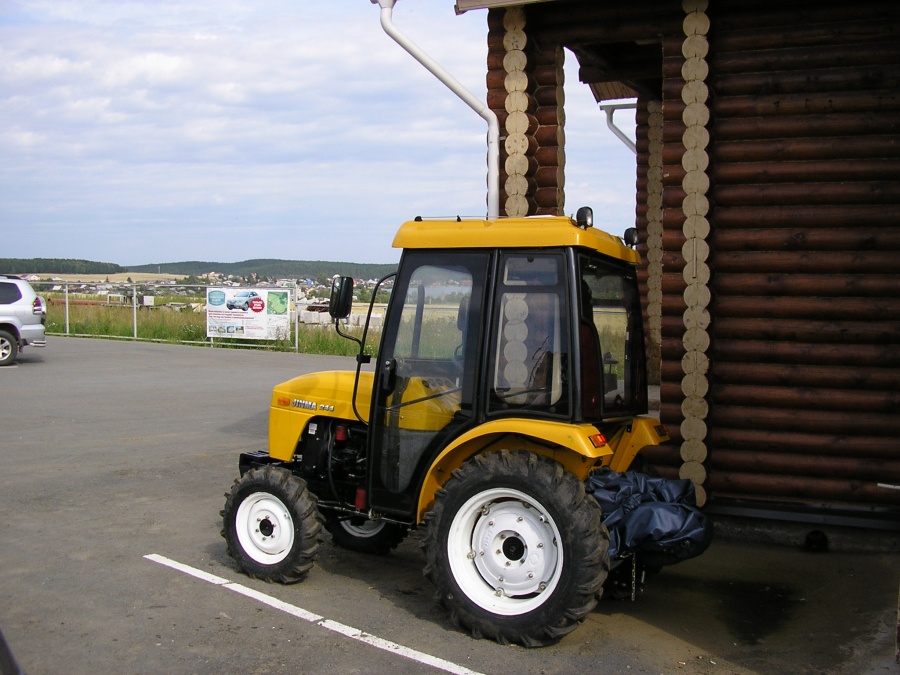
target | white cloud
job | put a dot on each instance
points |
(154, 131)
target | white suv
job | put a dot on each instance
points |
(23, 314)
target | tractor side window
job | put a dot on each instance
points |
(611, 341)
(529, 359)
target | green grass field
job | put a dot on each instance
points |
(185, 326)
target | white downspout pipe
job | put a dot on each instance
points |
(493, 179)
(610, 110)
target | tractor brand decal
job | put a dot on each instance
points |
(306, 405)
(326, 407)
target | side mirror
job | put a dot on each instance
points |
(341, 298)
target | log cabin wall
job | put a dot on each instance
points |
(805, 169)
(772, 262)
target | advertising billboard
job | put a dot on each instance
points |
(249, 313)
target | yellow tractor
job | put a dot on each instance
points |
(511, 366)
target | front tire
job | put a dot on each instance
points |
(271, 525)
(516, 548)
(365, 536)
(9, 348)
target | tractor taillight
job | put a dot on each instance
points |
(341, 433)
(360, 499)
(598, 440)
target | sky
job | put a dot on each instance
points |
(150, 131)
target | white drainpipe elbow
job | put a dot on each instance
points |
(493, 178)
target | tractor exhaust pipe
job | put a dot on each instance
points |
(493, 178)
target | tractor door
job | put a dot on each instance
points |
(427, 370)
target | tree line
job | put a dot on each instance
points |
(57, 266)
(261, 268)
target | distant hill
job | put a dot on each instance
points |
(56, 266)
(282, 269)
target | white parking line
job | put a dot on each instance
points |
(348, 631)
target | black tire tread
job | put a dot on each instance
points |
(586, 540)
(308, 524)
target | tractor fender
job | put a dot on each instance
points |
(570, 445)
(627, 441)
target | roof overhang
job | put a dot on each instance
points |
(466, 5)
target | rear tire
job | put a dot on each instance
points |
(271, 525)
(9, 348)
(516, 548)
(365, 536)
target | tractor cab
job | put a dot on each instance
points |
(481, 330)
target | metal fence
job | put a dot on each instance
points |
(141, 299)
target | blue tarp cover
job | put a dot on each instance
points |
(657, 518)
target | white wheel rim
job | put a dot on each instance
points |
(265, 528)
(5, 348)
(368, 529)
(504, 551)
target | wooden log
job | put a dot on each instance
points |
(788, 150)
(800, 239)
(764, 15)
(549, 198)
(806, 398)
(519, 144)
(843, 193)
(549, 177)
(672, 349)
(520, 164)
(495, 79)
(822, 262)
(661, 454)
(806, 103)
(781, 374)
(815, 444)
(520, 123)
(549, 156)
(752, 128)
(776, 307)
(806, 58)
(823, 421)
(728, 173)
(596, 30)
(670, 415)
(550, 135)
(757, 350)
(726, 483)
(781, 463)
(825, 331)
(548, 115)
(884, 77)
(794, 216)
(853, 285)
(812, 30)
(549, 96)
(673, 284)
(545, 75)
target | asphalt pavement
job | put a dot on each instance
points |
(114, 460)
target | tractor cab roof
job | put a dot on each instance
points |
(533, 232)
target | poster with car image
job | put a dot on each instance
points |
(249, 313)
